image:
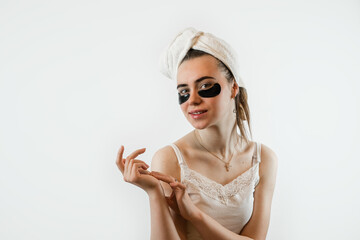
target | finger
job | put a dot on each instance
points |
(142, 164)
(162, 177)
(144, 171)
(119, 159)
(127, 168)
(136, 166)
(134, 154)
(178, 185)
(140, 161)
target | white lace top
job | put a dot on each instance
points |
(231, 205)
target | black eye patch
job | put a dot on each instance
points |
(184, 98)
(208, 93)
(211, 92)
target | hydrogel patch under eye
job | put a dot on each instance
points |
(184, 98)
(211, 92)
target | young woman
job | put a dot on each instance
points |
(212, 183)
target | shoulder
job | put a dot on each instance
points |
(165, 161)
(269, 164)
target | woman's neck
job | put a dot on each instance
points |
(219, 140)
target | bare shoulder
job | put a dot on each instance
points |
(269, 163)
(165, 161)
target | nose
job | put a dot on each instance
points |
(194, 98)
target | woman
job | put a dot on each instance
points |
(212, 183)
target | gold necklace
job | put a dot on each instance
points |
(227, 164)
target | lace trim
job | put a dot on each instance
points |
(197, 182)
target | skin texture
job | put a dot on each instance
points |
(170, 204)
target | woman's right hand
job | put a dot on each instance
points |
(135, 171)
(179, 199)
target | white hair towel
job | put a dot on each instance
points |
(207, 42)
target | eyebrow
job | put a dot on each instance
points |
(196, 81)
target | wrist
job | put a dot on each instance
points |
(155, 191)
(197, 216)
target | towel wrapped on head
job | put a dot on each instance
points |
(207, 42)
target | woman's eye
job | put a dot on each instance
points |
(182, 91)
(206, 84)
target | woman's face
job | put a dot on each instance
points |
(203, 87)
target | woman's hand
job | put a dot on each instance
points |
(179, 199)
(135, 171)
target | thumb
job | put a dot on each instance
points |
(178, 192)
(178, 185)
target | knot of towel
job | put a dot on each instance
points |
(207, 42)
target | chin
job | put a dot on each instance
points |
(196, 127)
(199, 125)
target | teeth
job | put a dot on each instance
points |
(197, 112)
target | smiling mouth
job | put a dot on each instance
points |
(197, 111)
(198, 114)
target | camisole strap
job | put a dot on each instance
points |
(254, 156)
(257, 153)
(178, 155)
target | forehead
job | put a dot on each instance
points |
(191, 70)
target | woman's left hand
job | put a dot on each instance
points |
(179, 199)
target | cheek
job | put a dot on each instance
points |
(218, 104)
(215, 104)
(183, 107)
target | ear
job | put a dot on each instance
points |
(234, 90)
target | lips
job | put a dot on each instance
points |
(198, 114)
(196, 111)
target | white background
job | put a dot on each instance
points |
(80, 78)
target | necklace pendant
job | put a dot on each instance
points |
(227, 166)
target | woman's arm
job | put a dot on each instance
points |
(258, 225)
(165, 161)
(212, 230)
(162, 224)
